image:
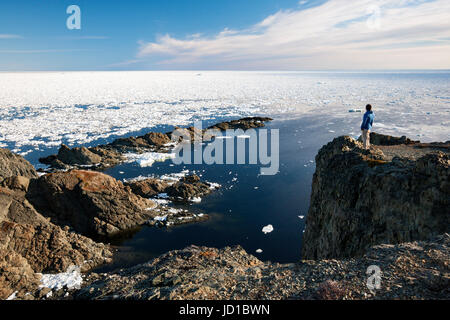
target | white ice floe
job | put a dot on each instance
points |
(267, 229)
(259, 251)
(12, 296)
(163, 196)
(147, 159)
(196, 199)
(43, 109)
(301, 217)
(71, 279)
(161, 201)
(160, 218)
(213, 185)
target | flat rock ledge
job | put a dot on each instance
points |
(417, 270)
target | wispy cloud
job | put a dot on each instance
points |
(338, 34)
(10, 36)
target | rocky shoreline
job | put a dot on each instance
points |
(387, 206)
(108, 155)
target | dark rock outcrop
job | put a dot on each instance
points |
(386, 140)
(185, 189)
(92, 203)
(148, 188)
(77, 156)
(244, 123)
(31, 244)
(362, 198)
(14, 165)
(108, 155)
(188, 188)
(418, 270)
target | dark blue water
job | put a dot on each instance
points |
(240, 209)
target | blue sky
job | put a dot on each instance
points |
(225, 34)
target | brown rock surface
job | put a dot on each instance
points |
(30, 244)
(417, 270)
(92, 203)
(14, 165)
(363, 198)
(148, 187)
(188, 188)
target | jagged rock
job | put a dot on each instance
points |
(202, 273)
(92, 203)
(16, 182)
(129, 144)
(103, 156)
(361, 198)
(30, 244)
(17, 278)
(244, 123)
(47, 247)
(188, 187)
(77, 156)
(148, 187)
(386, 140)
(193, 134)
(14, 165)
(157, 139)
(110, 156)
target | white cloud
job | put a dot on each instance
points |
(338, 34)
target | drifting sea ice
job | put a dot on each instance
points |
(41, 110)
(267, 229)
(147, 159)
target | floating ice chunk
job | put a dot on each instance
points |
(196, 199)
(160, 218)
(259, 251)
(148, 158)
(71, 279)
(160, 201)
(267, 229)
(213, 185)
(301, 217)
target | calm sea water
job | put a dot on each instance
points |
(245, 204)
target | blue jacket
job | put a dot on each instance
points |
(367, 120)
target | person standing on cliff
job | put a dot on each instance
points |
(366, 126)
